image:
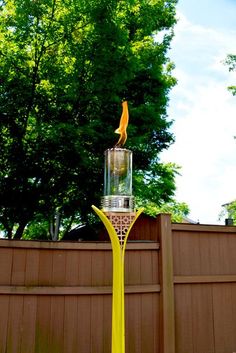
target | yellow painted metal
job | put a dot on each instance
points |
(118, 302)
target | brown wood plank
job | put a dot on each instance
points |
(107, 320)
(133, 323)
(142, 245)
(76, 290)
(189, 260)
(28, 328)
(232, 307)
(132, 268)
(155, 267)
(224, 317)
(204, 243)
(147, 330)
(218, 301)
(97, 268)
(43, 325)
(4, 319)
(176, 247)
(146, 265)
(50, 245)
(205, 279)
(142, 229)
(18, 267)
(5, 266)
(216, 265)
(148, 288)
(72, 268)
(85, 268)
(231, 251)
(14, 324)
(45, 268)
(58, 267)
(156, 322)
(32, 267)
(224, 254)
(167, 344)
(71, 323)
(96, 324)
(183, 319)
(56, 325)
(202, 318)
(108, 268)
(203, 228)
(84, 325)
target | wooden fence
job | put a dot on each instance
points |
(180, 292)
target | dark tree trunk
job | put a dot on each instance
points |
(9, 233)
(20, 230)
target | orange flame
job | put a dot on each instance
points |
(123, 125)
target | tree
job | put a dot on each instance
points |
(230, 208)
(154, 196)
(231, 62)
(177, 210)
(229, 211)
(65, 67)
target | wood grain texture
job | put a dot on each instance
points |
(180, 285)
(76, 290)
(167, 285)
(58, 298)
(205, 288)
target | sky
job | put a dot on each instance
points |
(203, 110)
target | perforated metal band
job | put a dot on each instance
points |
(117, 203)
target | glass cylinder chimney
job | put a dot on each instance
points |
(118, 181)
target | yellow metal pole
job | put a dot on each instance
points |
(118, 302)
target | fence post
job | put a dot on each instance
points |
(167, 333)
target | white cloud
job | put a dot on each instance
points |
(205, 119)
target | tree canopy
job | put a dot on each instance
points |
(231, 62)
(65, 67)
(229, 211)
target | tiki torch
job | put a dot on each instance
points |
(118, 215)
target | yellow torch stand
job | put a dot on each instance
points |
(118, 226)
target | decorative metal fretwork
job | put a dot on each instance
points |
(121, 223)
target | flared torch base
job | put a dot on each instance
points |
(117, 203)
